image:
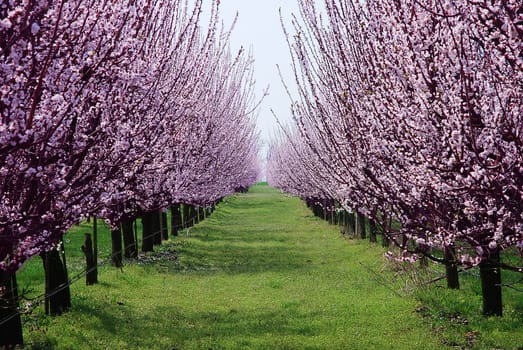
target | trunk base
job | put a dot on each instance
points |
(490, 275)
(10, 331)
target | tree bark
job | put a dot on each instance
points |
(373, 232)
(490, 274)
(200, 214)
(193, 216)
(129, 242)
(116, 244)
(196, 217)
(91, 276)
(10, 320)
(185, 216)
(451, 268)
(386, 224)
(316, 210)
(147, 232)
(163, 225)
(351, 223)
(360, 225)
(57, 293)
(156, 227)
(176, 219)
(343, 222)
(95, 247)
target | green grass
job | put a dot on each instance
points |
(455, 315)
(260, 273)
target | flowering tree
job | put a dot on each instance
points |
(460, 123)
(61, 68)
(217, 151)
(205, 144)
(419, 105)
(63, 71)
(84, 86)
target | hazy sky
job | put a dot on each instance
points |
(258, 28)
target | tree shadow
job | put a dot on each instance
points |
(237, 258)
(136, 329)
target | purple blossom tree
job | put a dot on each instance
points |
(92, 94)
(414, 110)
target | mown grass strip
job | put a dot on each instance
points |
(260, 273)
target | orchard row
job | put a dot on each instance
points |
(413, 111)
(115, 109)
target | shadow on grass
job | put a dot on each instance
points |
(248, 235)
(239, 258)
(172, 327)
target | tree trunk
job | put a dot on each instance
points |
(192, 215)
(163, 225)
(373, 232)
(360, 225)
(57, 293)
(451, 268)
(331, 216)
(490, 275)
(185, 215)
(135, 226)
(176, 219)
(351, 224)
(148, 231)
(316, 210)
(95, 248)
(91, 277)
(129, 242)
(10, 320)
(423, 261)
(200, 214)
(156, 227)
(343, 222)
(116, 244)
(386, 224)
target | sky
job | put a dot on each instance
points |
(258, 28)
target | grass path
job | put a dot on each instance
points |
(260, 273)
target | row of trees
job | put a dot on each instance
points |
(413, 111)
(114, 109)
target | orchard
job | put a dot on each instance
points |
(412, 111)
(407, 118)
(113, 110)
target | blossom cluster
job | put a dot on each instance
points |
(413, 110)
(107, 106)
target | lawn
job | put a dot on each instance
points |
(261, 273)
